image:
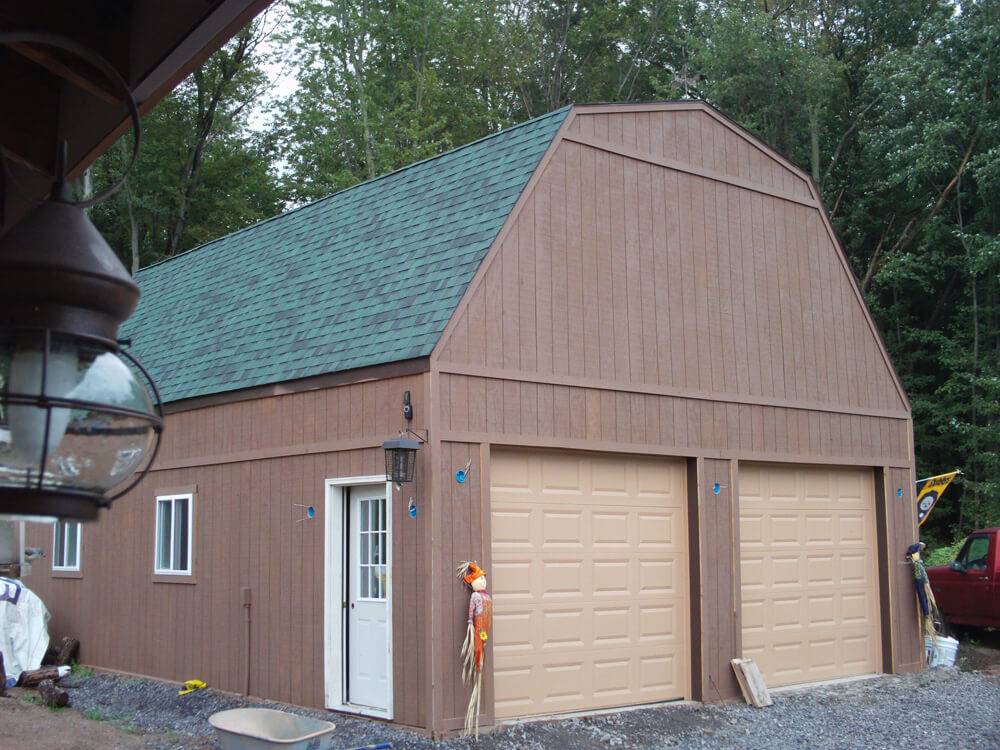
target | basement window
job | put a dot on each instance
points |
(66, 546)
(173, 534)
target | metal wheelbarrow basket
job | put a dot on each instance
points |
(265, 728)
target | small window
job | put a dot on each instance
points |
(66, 546)
(173, 534)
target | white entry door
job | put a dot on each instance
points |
(368, 657)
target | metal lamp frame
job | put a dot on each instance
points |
(69, 502)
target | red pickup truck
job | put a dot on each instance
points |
(968, 590)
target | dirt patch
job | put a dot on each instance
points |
(59, 730)
(979, 651)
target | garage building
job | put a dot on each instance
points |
(631, 328)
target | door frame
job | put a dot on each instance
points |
(335, 617)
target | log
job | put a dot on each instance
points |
(31, 677)
(52, 694)
(68, 650)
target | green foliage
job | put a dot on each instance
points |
(201, 172)
(81, 670)
(942, 554)
(95, 714)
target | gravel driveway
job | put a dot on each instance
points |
(939, 708)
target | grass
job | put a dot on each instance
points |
(39, 702)
(95, 714)
(80, 670)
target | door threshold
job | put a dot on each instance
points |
(353, 708)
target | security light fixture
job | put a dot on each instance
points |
(76, 418)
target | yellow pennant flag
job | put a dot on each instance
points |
(930, 493)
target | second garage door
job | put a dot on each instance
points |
(809, 572)
(590, 581)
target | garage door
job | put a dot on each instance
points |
(590, 581)
(809, 572)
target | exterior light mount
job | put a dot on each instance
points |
(76, 418)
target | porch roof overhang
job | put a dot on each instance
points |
(47, 95)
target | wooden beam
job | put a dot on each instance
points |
(81, 76)
(680, 166)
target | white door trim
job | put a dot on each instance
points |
(334, 614)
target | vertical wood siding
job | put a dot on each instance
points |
(520, 412)
(901, 512)
(625, 272)
(718, 531)
(246, 535)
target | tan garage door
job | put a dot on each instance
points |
(590, 581)
(809, 572)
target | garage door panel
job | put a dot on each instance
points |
(809, 572)
(603, 621)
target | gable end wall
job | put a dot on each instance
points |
(682, 299)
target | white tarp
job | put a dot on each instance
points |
(24, 634)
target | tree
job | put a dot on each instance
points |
(201, 171)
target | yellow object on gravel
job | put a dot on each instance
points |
(191, 685)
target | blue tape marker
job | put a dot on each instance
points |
(899, 492)
(412, 507)
(460, 476)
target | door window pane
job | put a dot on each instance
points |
(372, 538)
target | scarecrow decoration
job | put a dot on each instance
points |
(928, 606)
(478, 631)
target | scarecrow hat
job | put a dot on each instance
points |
(474, 572)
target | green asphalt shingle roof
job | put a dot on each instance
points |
(366, 276)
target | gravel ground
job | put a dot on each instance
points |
(939, 708)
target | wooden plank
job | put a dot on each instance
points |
(751, 683)
(559, 273)
(543, 252)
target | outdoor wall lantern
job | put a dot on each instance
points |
(401, 456)
(76, 419)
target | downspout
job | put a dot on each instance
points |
(246, 597)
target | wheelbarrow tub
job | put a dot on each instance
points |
(265, 728)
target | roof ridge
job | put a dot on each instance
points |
(356, 185)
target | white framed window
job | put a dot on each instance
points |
(174, 523)
(66, 545)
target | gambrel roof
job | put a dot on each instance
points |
(366, 276)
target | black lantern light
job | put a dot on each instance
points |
(400, 458)
(76, 418)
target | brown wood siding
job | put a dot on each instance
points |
(624, 272)
(696, 137)
(719, 598)
(462, 529)
(907, 640)
(246, 535)
(521, 412)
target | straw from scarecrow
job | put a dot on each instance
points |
(476, 635)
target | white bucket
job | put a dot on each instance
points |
(941, 653)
